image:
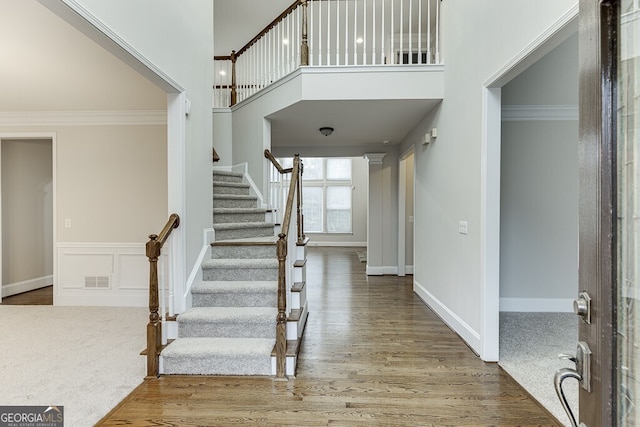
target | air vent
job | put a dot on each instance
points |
(97, 282)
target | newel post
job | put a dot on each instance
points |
(304, 49)
(234, 92)
(281, 320)
(154, 327)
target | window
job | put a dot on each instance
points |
(326, 194)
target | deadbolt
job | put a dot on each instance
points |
(582, 307)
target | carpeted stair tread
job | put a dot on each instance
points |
(231, 184)
(219, 356)
(246, 241)
(246, 264)
(242, 225)
(228, 173)
(228, 314)
(239, 286)
(235, 197)
(238, 210)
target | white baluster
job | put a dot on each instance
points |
(419, 31)
(355, 32)
(329, 32)
(337, 33)
(364, 32)
(429, 31)
(392, 47)
(373, 36)
(437, 32)
(410, 32)
(401, 56)
(320, 33)
(346, 33)
(382, 50)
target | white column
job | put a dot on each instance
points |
(375, 214)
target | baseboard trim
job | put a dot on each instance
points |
(208, 237)
(459, 326)
(26, 286)
(408, 269)
(337, 244)
(381, 271)
(539, 305)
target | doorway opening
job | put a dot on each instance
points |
(27, 189)
(539, 222)
(406, 213)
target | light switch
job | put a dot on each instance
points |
(463, 227)
(67, 223)
(411, 218)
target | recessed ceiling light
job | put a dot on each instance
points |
(285, 41)
(385, 142)
(223, 73)
(359, 40)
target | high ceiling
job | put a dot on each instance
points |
(238, 21)
(47, 65)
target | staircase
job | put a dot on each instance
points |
(231, 327)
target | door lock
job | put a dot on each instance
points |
(582, 307)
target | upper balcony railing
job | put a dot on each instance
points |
(330, 33)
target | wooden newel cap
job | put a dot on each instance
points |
(153, 236)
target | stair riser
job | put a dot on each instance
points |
(231, 203)
(226, 274)
(220, 365)
(228, 329)
(223, 189)
(235, 300)
(227, 178)
(243, 252)
(242, 233)
(227, 218)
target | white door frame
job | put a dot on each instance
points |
(50, 136)
(490, 175)
(402, 202)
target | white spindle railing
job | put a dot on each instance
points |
(340, 33)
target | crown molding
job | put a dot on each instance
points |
(522, 113)
(83, 118)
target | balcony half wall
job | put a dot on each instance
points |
(366, 105)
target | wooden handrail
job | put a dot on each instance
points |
(275, 162)
(281, 251)
(154, 327)
(272, 24)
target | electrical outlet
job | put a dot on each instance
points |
(463, 227)
(67, 223)
(411, 218)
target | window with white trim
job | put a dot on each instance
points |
(326, 194)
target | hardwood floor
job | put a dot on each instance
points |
(42, 296)
(373, 355)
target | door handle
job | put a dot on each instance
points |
(582, 373)
(558, 378)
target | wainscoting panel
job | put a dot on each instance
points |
(102, 274)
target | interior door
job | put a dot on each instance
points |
(607, 355)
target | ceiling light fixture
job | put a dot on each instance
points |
(326, 130)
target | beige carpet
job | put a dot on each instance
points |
(83, 358)
(529, 348)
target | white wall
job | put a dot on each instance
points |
(223, 136)
(27, 214)
(111, 184)
(177, 37)
(448, 270)
(539, 190)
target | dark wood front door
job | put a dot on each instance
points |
(609, 243)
